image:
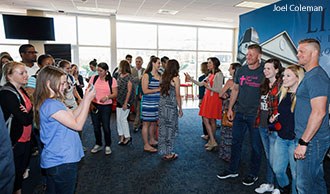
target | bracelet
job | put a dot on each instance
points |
(302, 142)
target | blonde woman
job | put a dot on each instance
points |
(16, 104)
(285, 142)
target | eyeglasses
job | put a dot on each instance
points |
(32, 52)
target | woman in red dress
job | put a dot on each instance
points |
(211, 105)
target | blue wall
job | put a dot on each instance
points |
(298, 24)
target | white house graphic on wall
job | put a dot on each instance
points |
(282, 47)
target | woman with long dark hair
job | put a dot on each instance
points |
(106, 90)
(269, 89)
(211, 105)
(170, 101)
(149, 101)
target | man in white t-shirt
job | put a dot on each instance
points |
(29, 57)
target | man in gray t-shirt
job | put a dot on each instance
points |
(311, 120)
(247, 94)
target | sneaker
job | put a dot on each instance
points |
(26, 173)
(84, 148)
(107, 150)
(249, 180)
(226, 174)
(276, 191)
(35, 152)
(264, 188)
(96, 148)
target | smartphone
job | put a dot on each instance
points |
(278, 114)
(92, 87)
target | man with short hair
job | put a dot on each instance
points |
(247, 93)
(129, 59)
(115, 72)
(137, 73)
(311, 121)
(29, 57)
(163, 60)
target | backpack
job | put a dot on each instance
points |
(9, 120)
(109, 82)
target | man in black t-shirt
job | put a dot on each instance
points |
(247, 93)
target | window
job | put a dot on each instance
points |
(131, 35)
(145, 54)
(186, 59)
(94, 31)
(87, 54)
(210, 39)
(12, 50)
(65, 29)
(177, 37)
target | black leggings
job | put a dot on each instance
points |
(22, 153)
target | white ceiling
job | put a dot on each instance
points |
(190, 11)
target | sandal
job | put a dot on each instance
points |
(173, 157)
(151, 150)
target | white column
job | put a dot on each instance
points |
(235, 44)
(113, 23)
(38, 44)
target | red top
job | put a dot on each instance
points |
(26, 135)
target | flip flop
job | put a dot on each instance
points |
(151, 150)
(173, 157)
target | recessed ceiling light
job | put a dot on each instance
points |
(94, 9)
(251, 4)
(215, 19)
(167, 12)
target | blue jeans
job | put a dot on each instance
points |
(62, 178)
(310, 174)
(242, 123)
(268, 141)
(284, 153)
(102, 118)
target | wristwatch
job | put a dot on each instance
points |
(302, 142)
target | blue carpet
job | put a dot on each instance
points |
(130, 170)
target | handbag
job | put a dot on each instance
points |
(93, 109)
(224, 120)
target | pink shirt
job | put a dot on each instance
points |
(102, 89)
(26, 135)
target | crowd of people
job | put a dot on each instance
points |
(285, 111)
